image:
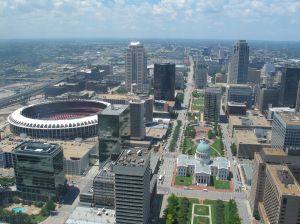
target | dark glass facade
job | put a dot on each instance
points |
(289, 87)
(164, 81)
(39, 170)
(112, 128)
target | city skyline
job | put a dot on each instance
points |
(251, 20)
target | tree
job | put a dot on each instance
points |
(210, 134)
(233, 149)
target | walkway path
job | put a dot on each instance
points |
(208, 216)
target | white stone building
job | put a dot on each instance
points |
(201, 168)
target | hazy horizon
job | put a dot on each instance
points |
(271, 20)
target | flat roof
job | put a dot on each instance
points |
(245, 136)
(133, 157)
(71, 148)
(290, 118)
(36, 148)
(116, 96)
(256, 120)
(274, 151)
(287, 184)
(88, 215)
(156, 132)
(114, 109)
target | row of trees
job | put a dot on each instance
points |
(177, 211)
(233, 149)
(175, 137)
(190, 131)
(226, 212)
(215, 132)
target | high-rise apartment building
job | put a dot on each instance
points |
(132, 187)
(114, 124)
(281, 201)
(240, 93)
(238, 70)
(201, 72)
(135, 66)
(137, 122)
(39, 168)
(212, 103)
(286, 132)
(164, 81)
(289, 87)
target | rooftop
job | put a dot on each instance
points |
(290, 118)
(245, 136)
(114, 110)
(284, 180)
(134, 157)
(250, 120)
(88, 215)
(274, 151)
(37, 148)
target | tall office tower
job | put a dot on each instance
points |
(148, 106)
(286, 132)
(240, 93)
(164, 81)
(135, 66)
(239, 63)
(114, 124)
(137, 122)
(201, 71)
(298, 98)
(289, 87)
(261, 160)
(39, 168)
(212, 103)
(281, 201)
(132, 187)
(267, 96)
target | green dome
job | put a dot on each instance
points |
(203, 147)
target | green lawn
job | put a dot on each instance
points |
(221, 184)
(188, 146)
(216, 148)
(38, 218)
(185, 181)
(201, 210)
(198, 103)
(201, 220)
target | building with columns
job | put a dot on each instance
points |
(201, 167)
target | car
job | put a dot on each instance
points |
(205, 190)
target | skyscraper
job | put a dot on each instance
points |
(240, 93)
(137, 122)
(114, 124)
(132, 187)
(267, 96)
(289, 87)
(212, 102)
(238, 70)
(201, 71)
(164, 81)
(39, 168)
(135, 66)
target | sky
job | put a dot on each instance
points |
(191, 19)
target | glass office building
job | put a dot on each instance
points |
(39, 168)
(114, 125)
